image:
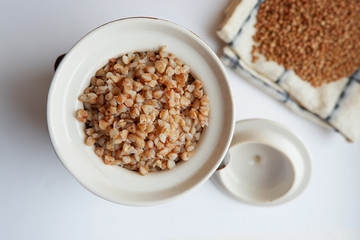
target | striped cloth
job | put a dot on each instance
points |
(335, 105)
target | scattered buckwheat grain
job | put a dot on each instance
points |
(318, 39)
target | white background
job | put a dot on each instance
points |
(39, 199)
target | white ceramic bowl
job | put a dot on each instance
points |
(73, 76)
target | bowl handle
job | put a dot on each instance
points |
(58, 61)
(224, 162)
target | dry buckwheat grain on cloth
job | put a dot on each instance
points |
(335, 104)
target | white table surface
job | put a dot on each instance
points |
(39, 199)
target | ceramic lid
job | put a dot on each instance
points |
(268, 164)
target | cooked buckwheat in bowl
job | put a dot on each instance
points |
(144, 111)
(136, 122)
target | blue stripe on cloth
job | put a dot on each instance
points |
(245, 22)
(280, 78)
(305, 110)
(240, 30)
(287, 97)
(235, 63)
(342, 95)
